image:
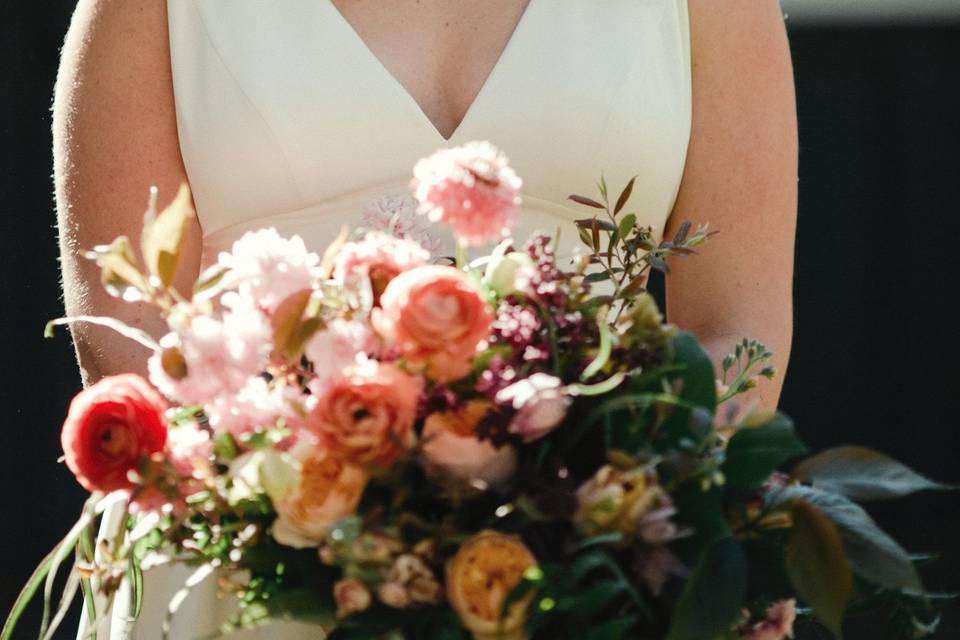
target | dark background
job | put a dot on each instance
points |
(874, 355)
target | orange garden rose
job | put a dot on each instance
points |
(436, 317)
(481, 575)
(366, 416)
(326, 489)
(110, 428)
(451, 446)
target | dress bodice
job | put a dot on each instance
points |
(287, 119)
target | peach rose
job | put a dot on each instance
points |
(366, 416)
(435, 316)
(110, 428)
(450, 446)
(325, 490)
(481, 575)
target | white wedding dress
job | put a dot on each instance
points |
(286, 119)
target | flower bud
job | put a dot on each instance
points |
(510, 272)
(351, 596)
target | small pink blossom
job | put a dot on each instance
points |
(396, 214)
(540, 403)
(379, 257)
(220, 355)
(257, 405)
(776, 626)
(471, 188)
(342, 344)
(268, 267)
(189, 448)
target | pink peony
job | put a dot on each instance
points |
(268, 267)
(110, 429)
(451, 447)
(471, 188)
(540, 403)
(776, 626)
(218, 355)
(325, 490)
(366, 415)
(435, 316)
(380, 258)
(342, 344)
(396, 215)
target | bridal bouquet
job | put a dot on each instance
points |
(394, 444)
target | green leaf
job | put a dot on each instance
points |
(164, 234)
(871, 553)
(137, 335)
(862, 474)
(627, 224)
(817, 565)
(755, 452)
(714, 594)
(624, 196)
(603, 352)
(698, 386)
(589, 202)
(52, 560)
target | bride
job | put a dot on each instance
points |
(305, 114)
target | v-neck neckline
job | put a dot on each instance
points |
(408, 97)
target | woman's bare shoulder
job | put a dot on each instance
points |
(115, 130)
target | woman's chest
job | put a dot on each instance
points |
(285, 107)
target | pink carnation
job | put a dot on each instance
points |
(379, 257)
(268, 267)
(220, 355)
(343, 343)
(396, 214)
(471, 188)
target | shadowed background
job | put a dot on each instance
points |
(875, 350)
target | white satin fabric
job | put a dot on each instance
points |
(287, 119)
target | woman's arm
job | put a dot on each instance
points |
(741, 177)
(114, 135)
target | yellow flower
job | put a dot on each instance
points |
(617, 500)
(481, 575)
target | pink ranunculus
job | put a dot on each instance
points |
(110, 428)
(472, 188)
(327, 488)
(268, 267)
(380, 258)
(450, 446)
(776, 626)
(540, 403)
(396, 214)
(366, 414)
(341, 344)
(219, 355)
(436, 317)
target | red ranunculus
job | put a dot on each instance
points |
(110, 428)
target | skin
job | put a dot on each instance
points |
(114, 116)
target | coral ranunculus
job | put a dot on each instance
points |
(110, 428)
(436, 317)
(366, 416)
